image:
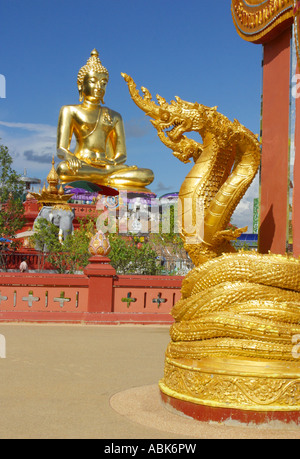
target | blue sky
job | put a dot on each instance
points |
(189, 49)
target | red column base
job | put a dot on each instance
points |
(207, 413)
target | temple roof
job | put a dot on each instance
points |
(52, 195)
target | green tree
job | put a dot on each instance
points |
(127, 257)
(69, 256)
(11, 196)
(10, 183)
(167, 242)
(45, 237)
(11, 218)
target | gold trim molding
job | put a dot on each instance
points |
(237, 384)
(256, 20)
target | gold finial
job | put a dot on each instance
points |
(51, 195)
(94, 53)
(53, 179)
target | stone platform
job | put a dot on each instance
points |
(223, 389)
(91, 382)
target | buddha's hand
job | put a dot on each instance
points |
(108, 162)
(105, 164)
(74, 164)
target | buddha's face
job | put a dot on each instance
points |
(94, 86)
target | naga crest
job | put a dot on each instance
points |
(172, 120)
(226, 158)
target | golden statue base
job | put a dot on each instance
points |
(238, 386)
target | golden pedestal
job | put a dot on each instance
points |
(238, 384)
(226, 390)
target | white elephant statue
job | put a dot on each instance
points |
(62, 218)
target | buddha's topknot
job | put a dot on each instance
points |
(93, 64)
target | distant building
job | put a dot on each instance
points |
(169, 198)
(247, 242)
(29, 181)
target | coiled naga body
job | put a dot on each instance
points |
(237, 325)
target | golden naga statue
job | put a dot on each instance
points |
(237, 325)
(100, 151)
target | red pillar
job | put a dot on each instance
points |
(101, 277)
(275, 145)
(296, 182)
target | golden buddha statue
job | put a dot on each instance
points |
(100, 151)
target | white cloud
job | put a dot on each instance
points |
(42, 128)
(243, 215)
(31, 146)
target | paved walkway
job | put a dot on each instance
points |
(85, 381)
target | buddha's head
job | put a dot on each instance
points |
(92, 79)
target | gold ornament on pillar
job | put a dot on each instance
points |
(99, 245)
(258, 21)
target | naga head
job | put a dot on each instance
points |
(171, 120)
(176, 118)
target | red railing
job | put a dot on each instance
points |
(98, 295)
(35, 260)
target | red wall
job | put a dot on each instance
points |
(296, 190)
(98, 296)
